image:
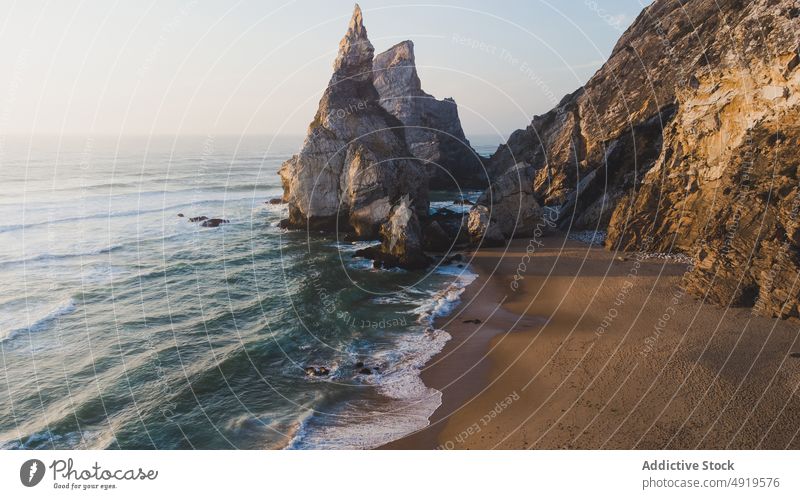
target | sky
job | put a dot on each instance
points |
(259, 67)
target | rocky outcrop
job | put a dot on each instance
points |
(686, 141)
(482, 229)
(432, 127)
(214, 222)
(354, 164)
(401, 240)
(507, 209)
(613, 125)
(724, 188)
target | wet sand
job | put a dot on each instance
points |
(584, 348)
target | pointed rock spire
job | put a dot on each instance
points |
(354, 164)
(355, 50)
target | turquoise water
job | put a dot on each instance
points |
(123, 325)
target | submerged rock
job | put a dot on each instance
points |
(432, 127)
(214, 222)
(198, 219)
(317, 371)
(354, 164)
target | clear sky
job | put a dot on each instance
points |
(259, 67)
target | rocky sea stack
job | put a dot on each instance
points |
(377, 144)
(376, 137)
(354, 164)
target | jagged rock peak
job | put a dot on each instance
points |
(354, 164)
(400, 59)
(355, 50)
(433, 129)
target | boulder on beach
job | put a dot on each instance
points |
(434, 237)
(507, 209)
(401, 241)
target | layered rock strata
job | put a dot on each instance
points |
(686, 140)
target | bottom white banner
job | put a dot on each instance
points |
(381, 474)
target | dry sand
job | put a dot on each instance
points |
(596, 350)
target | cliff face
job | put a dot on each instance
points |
(354, 165)
(724, 188)
(432, 127)
(622, 108)
(689, 136)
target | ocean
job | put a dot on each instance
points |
(124, 325)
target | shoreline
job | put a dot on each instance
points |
(603, 350)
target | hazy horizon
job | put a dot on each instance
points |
(187, 68)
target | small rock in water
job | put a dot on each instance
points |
(198, 219)
(317, 371)
(472, 321)
(365, 370)
(359, 365)
(795, 355)
(275, 201)
(214, 222)
(180, 215)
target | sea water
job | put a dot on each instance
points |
(124, 325)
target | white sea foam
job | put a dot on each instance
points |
(450, 205)
(411, 403)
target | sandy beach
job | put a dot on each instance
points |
(584, 348)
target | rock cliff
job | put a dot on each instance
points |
(507, 209)
(432, 127)
(354, 165)
(724, 188)
(686, 140)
